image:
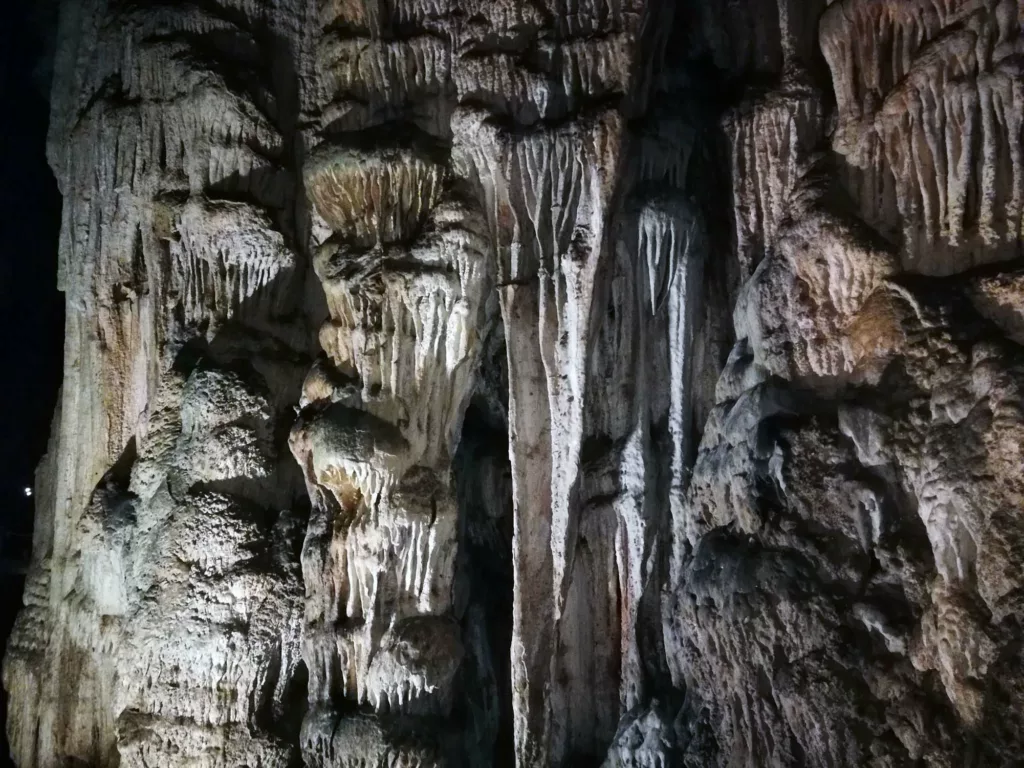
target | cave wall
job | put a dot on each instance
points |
(561, 382)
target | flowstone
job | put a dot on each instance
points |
(551, 383)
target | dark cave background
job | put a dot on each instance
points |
(31, 308)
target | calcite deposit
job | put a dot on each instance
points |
(533, 383)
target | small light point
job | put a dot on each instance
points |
(27, 490)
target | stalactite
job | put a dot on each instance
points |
(488, 382)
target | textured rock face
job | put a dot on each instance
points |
(472, 382)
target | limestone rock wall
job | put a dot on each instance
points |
(548, 383)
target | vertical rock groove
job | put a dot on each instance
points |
(532, 383)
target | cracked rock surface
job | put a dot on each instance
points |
(546, 383)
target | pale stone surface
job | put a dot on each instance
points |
(489, 382)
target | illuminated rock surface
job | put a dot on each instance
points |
(490, 382)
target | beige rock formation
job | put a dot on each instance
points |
(547, 383)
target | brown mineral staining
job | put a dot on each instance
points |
(876, 333)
